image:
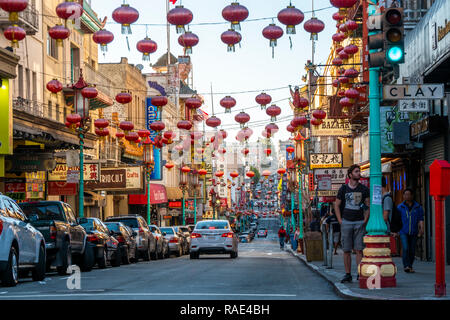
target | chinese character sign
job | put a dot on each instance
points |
(325, 160)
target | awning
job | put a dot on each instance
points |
(174, 193)
(158, 195)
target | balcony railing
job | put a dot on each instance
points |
(28, 20)
(31, 107)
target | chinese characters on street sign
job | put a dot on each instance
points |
(325, 160)
(413, 105)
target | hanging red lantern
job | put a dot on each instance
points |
(302, 103)
(184, 125)
(159, 101)
(339, 49)
(69, 10)
(343, 55)
(213, 122)
(351, 73)
(242, 118)
(219, 174)
(337, 62)
(266, 174)
(124, 97)
(290, 149)
(169, 165)
(132, 136)
(223, 133)
(273, 111)
(202, 172)
(352, 94)
(316, 122)
(319, 114)
(126, 126)
(250, 174)
(272, 128)
(244, 134)
(345, 102)
(351, 25)
(157, 126)
(102, 132)
(120, 135)
(169, 135)
(343, 5)
(103, 38)
(188, 40)
(299, 121)
(268, 151)
(235, 13)
(351, 49)
(335, 83)
(338, 37)
(338, 16)
(281, 171)
(341, 93)
(101, 123)
(180, 16)
(54, 86)
(234, 174)
(343, 28)
(185, 169)
(193, 103)
(344, 80)
(59, 33)
(14, 34)
(314, 26)
(263, 99)
(89, 92)
(231, 38)
(290, 128)
(245, 151)
(13, 7)
(125, 15)
(291, 16)
(272, 32)
(228, 103)
(146, 46)
(73, 118)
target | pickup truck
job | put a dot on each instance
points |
(65, 239)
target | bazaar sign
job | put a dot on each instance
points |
(333, 127)
(91, 172)
(325, 160)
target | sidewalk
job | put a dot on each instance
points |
(410, 286)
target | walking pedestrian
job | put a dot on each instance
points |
(282, 236)
(412, 228)
(352, 212)
(296, 239)
(334, 223)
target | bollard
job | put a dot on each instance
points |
(324, 243)
(330, 247)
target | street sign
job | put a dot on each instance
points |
(413, 105)
(325, 160)
(427, 91)
(323, 181)
(327, 193)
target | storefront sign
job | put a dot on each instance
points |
(325, 160)
(62, 188)
(91, 172)
(413, 91)
(443, 30)
(323, 181)
(127, 179)
(158, 195)
(15, 187)
(30, 162)
(420, 127)
(333, 127)
(177, 204)
(327, 193)
(338, 175)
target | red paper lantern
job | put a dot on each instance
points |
(157, 126)
(250, 174)
(126, 126)
(125, 15)
(314, 26)
(268, 151)
(159, 101)
(213, 122)
(299, 121)
(291, 16)
(344, 80)
(341, 93)
(242, 118)
(273, 111)
(244, 134)
(335, 83)
(351, 73)
(103, 38)
(102, 132)
(345, 102)
(319, 114)
(352, 94)
(235, 13)
(219, 174)
(302, 103)
(290, 128)
(73, 118)
(169, 165)
(351, 49)
(185, 169)
(169, 135)
(120, 135)
(193, 103)
(202, 172)
(54, 86)
(234, 174)
(223, 133)
(338, 37)
(132, 136)
(337, 62)
(124, 97)
(351, 25)
(281, 171)
(272, 128)
(146, 46)
(228, 103)
(245, 151)
(263, 99)
(69, 10)
(184, 125)
(180, 16)
(338, 16)
(290, 149)
(101, 123)
(339, 49)
(231, 38)
(13, 7)
(272, 32)
(89, 92)
(343, 28)
(188, 40)
(316, 122)
(59, 33)
(14, 34)
(343, 3)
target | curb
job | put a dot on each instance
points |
(338, 287)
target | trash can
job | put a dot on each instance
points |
(313, 246)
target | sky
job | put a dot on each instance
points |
(250, 68)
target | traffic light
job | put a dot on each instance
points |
(393, 30)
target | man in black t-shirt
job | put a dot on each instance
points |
(352, 212)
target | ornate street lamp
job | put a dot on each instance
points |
(184, 185)
(149, 163)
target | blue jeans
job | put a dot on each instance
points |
(282, 242)
(293, 243)
(408, 249)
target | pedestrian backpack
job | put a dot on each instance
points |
(396, 217)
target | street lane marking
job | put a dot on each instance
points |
(149, 294)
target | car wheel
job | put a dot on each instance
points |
(66, 259)
(38, 273)
(126, 256)
(161, 254)
(10, 277)
(102, 261)
(88, 259)
(147, 253)
(154, 254)
(117, 259)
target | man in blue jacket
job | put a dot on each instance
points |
(412, 221)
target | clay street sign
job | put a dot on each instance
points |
(413, 91)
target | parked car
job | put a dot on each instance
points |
(65, 239)
(126, 238)
(162, 243)
(213, 237)
(106, 247)
(146, 242)
(22, 247)
(262, 233)
(184, 232)
(175, 240)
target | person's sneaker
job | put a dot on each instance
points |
(347, 278)
(407, 270)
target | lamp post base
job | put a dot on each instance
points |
(377, 270)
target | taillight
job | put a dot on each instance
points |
(228, 235)
(92, 238)
(121, 239)
(173, 240)
(195, 235)
(1, 226)
(53, 233)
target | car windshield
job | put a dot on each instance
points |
(43, 211)
(113, 226)
(88, 224)
(212, 225)
(167, 230)
(131, 222)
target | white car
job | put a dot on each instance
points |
(213, 237)
(21, 245)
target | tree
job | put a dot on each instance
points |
(257, 174)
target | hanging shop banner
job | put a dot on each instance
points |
(62, 188)
(153, 115)
(91, 172)
(325, 160)
(338, 175)
(125, 180)
(223, 190)
(333, 128)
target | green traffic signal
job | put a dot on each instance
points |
(395, 54)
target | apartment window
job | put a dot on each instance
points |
(50, 111)
(75, 63)
(27, 75)
(20, 79)
(52, 48)
(58, 112)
